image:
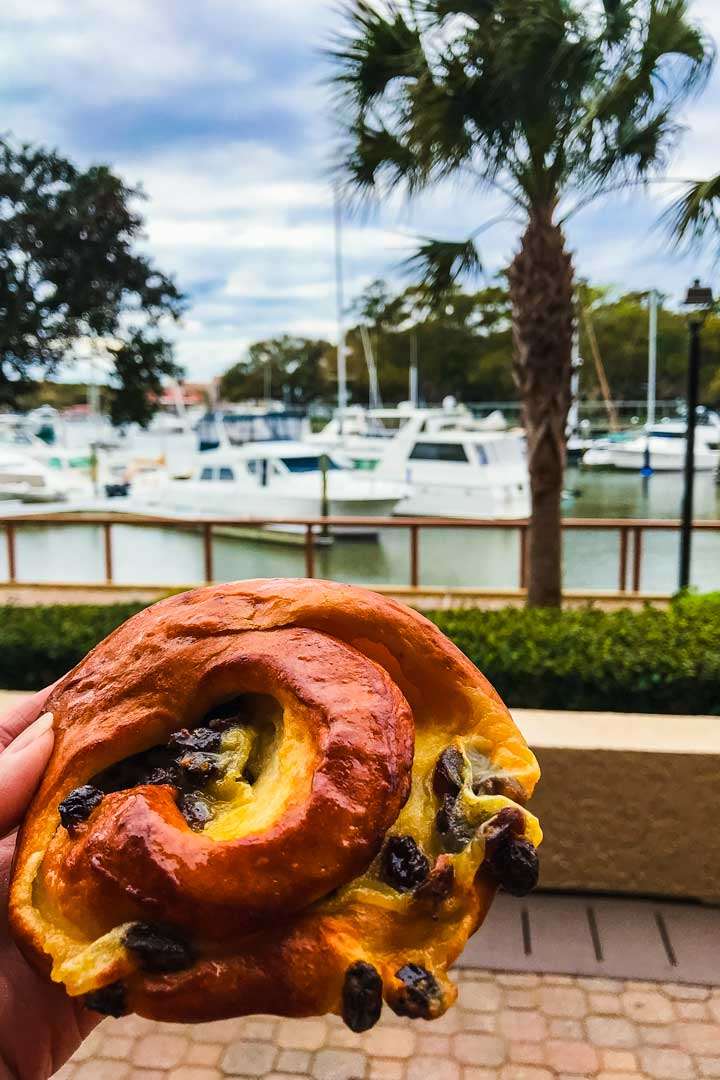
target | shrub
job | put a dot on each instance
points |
(648, 661)
(39, 644)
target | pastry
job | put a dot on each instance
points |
(276, 796)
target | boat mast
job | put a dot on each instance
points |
(341, 369)
(413, 387)
(652, 357)
(374, 399)
(652, 378)
(573, 419)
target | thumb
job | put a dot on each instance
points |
(21, 767)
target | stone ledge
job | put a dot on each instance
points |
(630, 803)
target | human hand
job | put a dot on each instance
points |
(40, 1026)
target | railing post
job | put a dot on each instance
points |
(622, 583)
(523, 556)
(309, 552)
(637, 558)
(208, 552)
(108, 552)
(12, 566)
(414, 557)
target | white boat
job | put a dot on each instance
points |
(29, 481)
(365, 434)
(463, 474)
(273, 479)
(598, 454)
(666, 443)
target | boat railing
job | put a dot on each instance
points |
(631, 532)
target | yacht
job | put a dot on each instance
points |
(365, 434)
(273, 479)
(27, 480)
(459, 474)
(667, 446)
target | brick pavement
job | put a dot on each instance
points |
(505, 1027)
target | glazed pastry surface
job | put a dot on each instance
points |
(274, 796)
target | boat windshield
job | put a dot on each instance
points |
(311, 463)
(438, 451)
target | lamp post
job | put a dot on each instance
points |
(697, 304)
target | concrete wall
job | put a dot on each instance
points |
(628, 803)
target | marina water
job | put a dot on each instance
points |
(455, 557)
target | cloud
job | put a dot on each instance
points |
(219, 111)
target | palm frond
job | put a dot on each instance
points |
(374, 150)
(439, 264)
(696, 214)
(636, 148)
(473, 9)
(671, 36)
(618, 18)
(380, 45)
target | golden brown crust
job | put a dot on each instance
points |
(357, 677)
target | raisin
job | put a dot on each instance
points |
(201, 738)
(153, 766)
(79, 804)
(402, 863)
(454, 830)
(197, 767)
(109, 1000)
(222, 717)
(420, 996)
(514, 864)
(158, 949)
(361, 997)
(439, 884)
(508, 822)
(195, 810)
(501, 785)
(448, 777)
(162, 776)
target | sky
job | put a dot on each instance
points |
(219, 112)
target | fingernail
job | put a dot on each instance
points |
(30, 734)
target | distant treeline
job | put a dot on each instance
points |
(464, 348)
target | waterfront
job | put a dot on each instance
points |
(447, 557)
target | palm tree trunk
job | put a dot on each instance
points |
(541, 291)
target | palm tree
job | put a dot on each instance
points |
(551, 102)
(697, 214)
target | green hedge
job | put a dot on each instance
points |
(647, 661)
(38, 644)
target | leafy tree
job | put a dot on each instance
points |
(621, 328)
(295, 367)
(69, 272)
(553, 103)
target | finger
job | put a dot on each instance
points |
(18, 718)
(20, 773)
(36, 729)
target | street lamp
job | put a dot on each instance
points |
(697, 304)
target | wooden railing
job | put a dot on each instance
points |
(631, 533)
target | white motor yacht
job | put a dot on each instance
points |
(463, 474)
(666, 443)
(365, 434)
(273, 479)
(24, 479)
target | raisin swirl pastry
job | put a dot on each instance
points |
(290, 797)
